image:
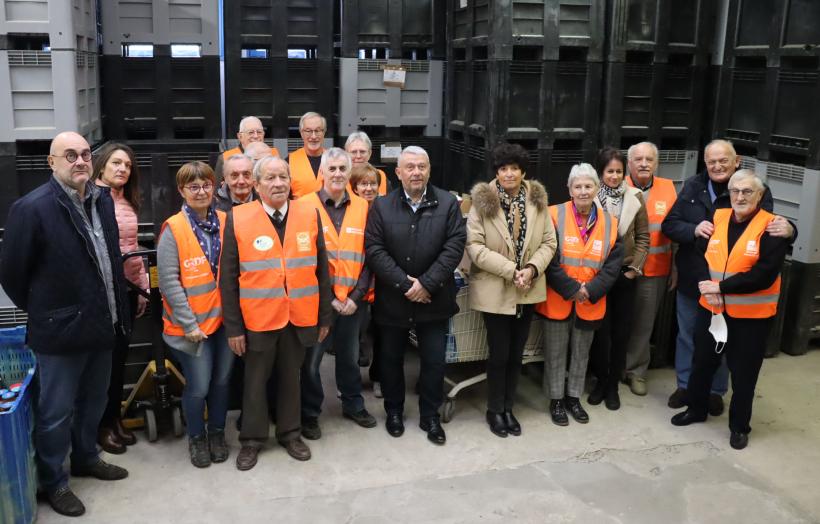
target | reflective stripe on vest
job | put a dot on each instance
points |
(277, 280)
(744, 255)
(581, 261)
(659, 203)
(345, 249)
(196, 278)
(303, 180)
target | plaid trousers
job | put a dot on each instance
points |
(560, 338)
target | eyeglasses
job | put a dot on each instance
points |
(196, 188)
(253, 132)
(745, 192)
(367, 184)
(313, 132)
(723, 162)
(71, 156)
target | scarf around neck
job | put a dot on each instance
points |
(612, 198)
(208, 226)
(515, 212)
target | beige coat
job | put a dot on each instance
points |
(633, 228)
(491, 250)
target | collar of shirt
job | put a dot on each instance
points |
(271, 210)
(91, 191)
(326, 199)
(647, 187)
(415, 205)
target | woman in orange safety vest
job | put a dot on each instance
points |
(739, 290)
(584, 268)
(188, 256)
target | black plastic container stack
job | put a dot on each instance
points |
(527, 72)
(770, 76)
(279, 63)
(657, 66)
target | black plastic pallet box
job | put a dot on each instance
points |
(772, 29)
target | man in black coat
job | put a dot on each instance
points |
(61, 263)
(414, 241)
(689, 219)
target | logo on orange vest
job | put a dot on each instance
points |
(324, 229)
(571, 240)
(713, 245)
(597, 246)
(354, 231)
(303, 241)
(752, 249)
(193, 262)
(660, 207)
(263, 243)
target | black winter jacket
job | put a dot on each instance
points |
(48, 267)
(693, 206)
(427, 244)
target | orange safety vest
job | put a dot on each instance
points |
(196, 278)
(382, 184)
(277, 280)
(580, 261)
(238, 151)
(659, 203)
(345, 250)
(744, 255)
(302, 179)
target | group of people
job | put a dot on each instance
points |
(273, 263)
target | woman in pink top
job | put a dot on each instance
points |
(115, 167)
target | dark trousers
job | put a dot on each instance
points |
(117, 381)
(744, 350)
(371, 333)
(432, 344)
(274, 352)
(506, 337)
(607, 358)
(69, 404)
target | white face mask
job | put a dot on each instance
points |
(719, 331)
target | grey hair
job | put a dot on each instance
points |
(261, 146)
(632, 148)
(335, 153)
(721, 142)
(312, 114)
(359, 135)
(246, 119)
(263, 162)
(414, 150)
(747, 174)
(238, 156)
(583, 170)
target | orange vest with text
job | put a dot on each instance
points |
(658, 204)
(277, 279)
(581, 261)
(302, 179)
(345, 249)
(744, 255)
(196, 278)
(238, 151)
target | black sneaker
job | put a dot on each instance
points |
(576, 410)
(738, 440)
(613, 399)
(100, 470)
(679, 399)
(362, 418)
(65, 502)
(311, 429)
(218, 446)
(715, 406)
(597, 394)
(557, 413)
(198, 449)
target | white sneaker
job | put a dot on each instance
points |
(377, 390)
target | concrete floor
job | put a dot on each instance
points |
(628, 466)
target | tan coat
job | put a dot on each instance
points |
(491, 250)
(633, 228)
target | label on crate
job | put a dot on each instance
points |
(394, 76)
(390, 152)
(462, 4)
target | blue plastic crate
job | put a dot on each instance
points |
(18, 480)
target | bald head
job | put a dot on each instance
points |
(250, 130)
(70, 160)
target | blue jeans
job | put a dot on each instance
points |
(344, 336)
(687, 311)
(207, 380)
(69, 405)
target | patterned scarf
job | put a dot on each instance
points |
(210, 226)
(515, 211)
(612, 199)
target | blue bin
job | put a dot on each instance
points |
(18, 479)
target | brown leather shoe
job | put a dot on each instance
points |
(297, 449)
(108, 440)
(125, 435)
(247, 457)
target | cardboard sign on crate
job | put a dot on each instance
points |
(394, 76)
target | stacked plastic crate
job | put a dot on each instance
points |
(49, 82)
(406, 38)
(523, 71)
(160, 65)
(769, 79)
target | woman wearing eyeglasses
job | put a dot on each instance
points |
(739, 284)
(188, 256)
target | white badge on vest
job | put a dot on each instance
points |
(263, 243)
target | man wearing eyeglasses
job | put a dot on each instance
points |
(689, 219)
(61, 263)
(305, 161)
(250, 131)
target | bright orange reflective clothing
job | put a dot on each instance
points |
(659, 203)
